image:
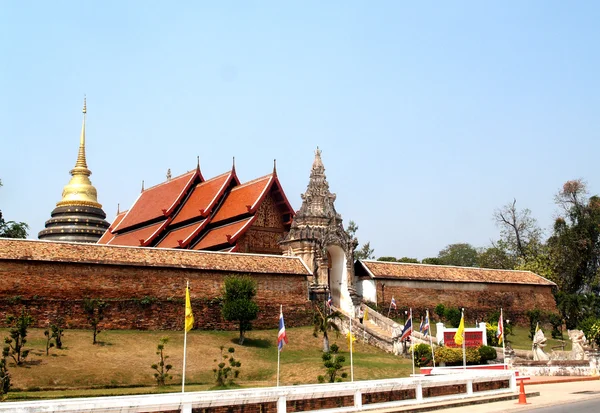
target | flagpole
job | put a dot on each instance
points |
(430, 339)
(351, 363)
(389, 309)
(412, 343)
(503, 339)
(278, 350)
(463, 342)
(184, 346)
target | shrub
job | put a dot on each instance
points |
(535, 318)
(453, 356)
(18, 332)
(440, 310)
(4, 374)
(490, 332)
(422, 354)
(162, 369)
(453, 316)
(487, 353)
(225, 374)
(94, 311)
(556, 322)
(333, 363)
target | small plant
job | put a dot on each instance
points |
(94, 310)
(440, 310)
(487, 353)
(454, 357)
(162, 369)
(57, 332)
(4, 374)
(333, 363)
(49, 343)
(17, 339)
(422, 354)
(228, 368)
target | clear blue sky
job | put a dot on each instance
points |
(430, 115)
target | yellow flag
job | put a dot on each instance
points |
(458, 337)
(189, 316)
(350, 336)
(366, 315)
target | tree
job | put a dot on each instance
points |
(18, 332)
(49, 343)
(432, 261)
(238, 302)
(519, 231)
(162, 369)
(497, 256)
(333, 363)
(403, 259)
(462, 255)
(387, 259)
(365, 252)
(12, 229)
(224, 374)
(574, 245)
(323, 321)
(94, 310)
(4, 374)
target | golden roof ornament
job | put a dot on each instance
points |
(80, 191)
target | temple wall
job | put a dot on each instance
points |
(266, 231)
(140, 297)
(478, 299)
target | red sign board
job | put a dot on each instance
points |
(472, 339)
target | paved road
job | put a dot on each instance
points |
(587, 406)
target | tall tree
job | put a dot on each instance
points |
(575, 242)
(497, 256)
(461, 254)
(324, 321)
(520, 232)
(365, 252)
(238, 302)
(12, 229)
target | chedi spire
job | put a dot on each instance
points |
(78, 216)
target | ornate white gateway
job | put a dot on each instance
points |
(319, 238)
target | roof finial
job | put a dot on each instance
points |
(169, 174)
(118, 209)
(81, 162)
(274, 166)
(84, 104)
(198, 162)
(142, 185)
(233, 164)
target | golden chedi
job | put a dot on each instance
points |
(78, 216)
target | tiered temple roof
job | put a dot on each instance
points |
(217, 214)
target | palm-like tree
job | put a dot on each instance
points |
(324, 320)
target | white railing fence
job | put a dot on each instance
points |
(184, 402)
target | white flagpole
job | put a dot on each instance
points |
(278, 351)
(412, 343)
(463, 343)
(184, 344)
(389, 309)
(503, 339)
(430, 339)
(351, 363)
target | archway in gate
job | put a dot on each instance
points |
(338, 278)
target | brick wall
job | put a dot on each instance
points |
(478, 299)
(140, 297)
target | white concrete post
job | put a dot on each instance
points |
(419, 392)
(470, 387)
(358, 400)
(484, 330)
(281, 407)
(513, 382)
(439, 332)
(186, 408)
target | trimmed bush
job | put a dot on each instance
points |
(487, 353)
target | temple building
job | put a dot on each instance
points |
(78, 216)
(216, 214)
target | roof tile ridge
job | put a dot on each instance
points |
(201, 225)
(170, 181)
(262, 195)
(218, 194)
(186, 187)
(283, 195)
(254, 181)
(447, 266)
(242, 230)
(126, 214)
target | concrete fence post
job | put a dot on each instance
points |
(419, 392)
(358, 399)
(281, 404)
(470, 387)
(186, 408)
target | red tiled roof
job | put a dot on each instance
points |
(244, 198)
(138, 237)
(447, 273)
(227, 234)
(181, 236)
(152, 201)
(53, 251)
(108, 235)
(203, 198)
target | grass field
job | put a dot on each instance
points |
(120, 363)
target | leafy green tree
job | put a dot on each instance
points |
(497, 256)
(238, 302)
(325, 321)
(18, 334)
(387, 259)
(333, 362)
(94, 310)
(575, 242)
(49, 343)
(57, 332)
(162, 369)
(365, 252)
(432, 261)
(228, 368)
(12, 229)
(462, 255)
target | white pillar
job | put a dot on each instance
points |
(358, 400)
(513, 382)
(281, 407)
(484, 331)
(470, 387)
(419, 392)
(186, 408)
(439, 335)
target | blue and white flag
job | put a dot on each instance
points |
(281, 337)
